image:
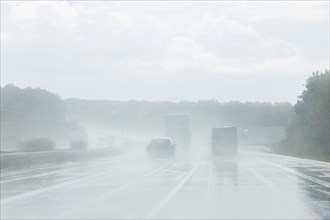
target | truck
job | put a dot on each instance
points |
(224, 141)
(177, 127)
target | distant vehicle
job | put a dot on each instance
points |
(177, 127)
(224, 141)
(161, 147)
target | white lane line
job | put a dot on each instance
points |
(89, 205)
(60, 171)
(6, 173)
(171, 194)
(294, 202)
(313, 179)
(72, 165)
(34, 176)
(210, 186)
(261, 178)
(66, 184)
(294, 159)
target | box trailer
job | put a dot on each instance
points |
(177, 127)
(224, 141)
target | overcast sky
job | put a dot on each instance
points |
(247, 51)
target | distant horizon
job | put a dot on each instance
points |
(142, 100)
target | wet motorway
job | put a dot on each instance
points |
(250, 186)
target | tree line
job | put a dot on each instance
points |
(35, 112)
(308, 131)
(28, 112)
(34, 118)
(148, 116)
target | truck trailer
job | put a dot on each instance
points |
(224, 141)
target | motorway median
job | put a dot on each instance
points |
(19, 160)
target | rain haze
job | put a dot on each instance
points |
(165, 110)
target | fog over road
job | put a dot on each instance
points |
(251, 186)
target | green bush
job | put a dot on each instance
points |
(36, 144)
(79, 145)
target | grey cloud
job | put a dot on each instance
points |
(141, 45)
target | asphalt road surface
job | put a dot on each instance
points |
(250, 186)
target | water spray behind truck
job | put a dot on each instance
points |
(177, 127)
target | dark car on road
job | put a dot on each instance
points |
(161, 147)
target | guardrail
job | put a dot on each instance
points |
(28, 159)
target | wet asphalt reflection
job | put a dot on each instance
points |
(249, 186)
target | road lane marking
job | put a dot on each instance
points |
(261, 178)
(52, 171)
(59, 171)
(292, 159)
(171, 194)
(296, 203)
(292, 171)
(89, 205)
(71, 165)
(36, 176)
(210, 186)
(71, 183)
